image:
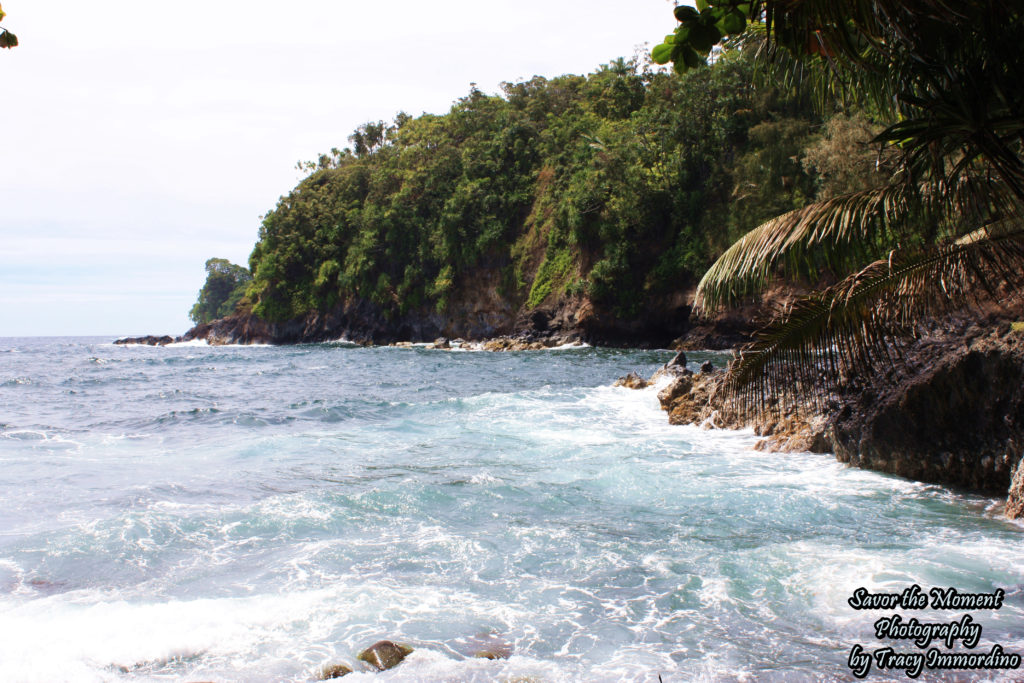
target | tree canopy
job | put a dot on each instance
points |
(621, 185)
(224, 288)
(941, 230)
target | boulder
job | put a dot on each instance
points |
(442, 343)
(706, 367)
(330, 671)
(385, 654)
(632, 381)
(679, 386)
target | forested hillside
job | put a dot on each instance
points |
(598, 200)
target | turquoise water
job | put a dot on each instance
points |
(252, 513)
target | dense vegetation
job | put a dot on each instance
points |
(622, 185)
(224, 288)
(941, 231)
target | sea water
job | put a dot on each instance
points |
(253, 513)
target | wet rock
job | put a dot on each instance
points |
(677, 387)
(148, 340)
(330, 671)
(951, 413)
(632, 381)
(499, 344)
(678, 361)
(442, 343)
(793, 434)
(385, 654)
(1015, 498)
(487, 645)
(706, 367)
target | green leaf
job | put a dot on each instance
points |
(8, 39)
(734, 23)
(702, 5)
(661, 54)
(703, 38)
(692, 60)
(686, 13)
(670, 38)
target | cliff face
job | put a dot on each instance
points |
(953, 414)
(479, 310)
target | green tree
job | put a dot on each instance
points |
(224, 288)
(942, 231)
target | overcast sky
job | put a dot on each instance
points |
(141, 138)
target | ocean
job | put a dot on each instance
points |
(254, 513)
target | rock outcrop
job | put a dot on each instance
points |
(950, 412)
(148, 340)
(632, 381)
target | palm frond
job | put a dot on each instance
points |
(862, 323)
(846, 230)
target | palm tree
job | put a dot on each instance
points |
(947, 229)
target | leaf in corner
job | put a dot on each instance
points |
(8, 39)
(685, 13)
(734, 23)
(661, 54)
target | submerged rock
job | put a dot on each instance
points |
(632, 381)
(385, 654)
(331, 671)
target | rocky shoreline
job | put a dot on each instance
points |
(950, 413)
(486, 318)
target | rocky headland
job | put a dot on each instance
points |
(950, 412)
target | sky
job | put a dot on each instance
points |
(138, 139)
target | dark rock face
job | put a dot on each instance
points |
(954, 416)
(385, 654)
(951, 412)
(148, 340)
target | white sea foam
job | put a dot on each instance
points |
(567, 347)
(191, 342)
(566, 519)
